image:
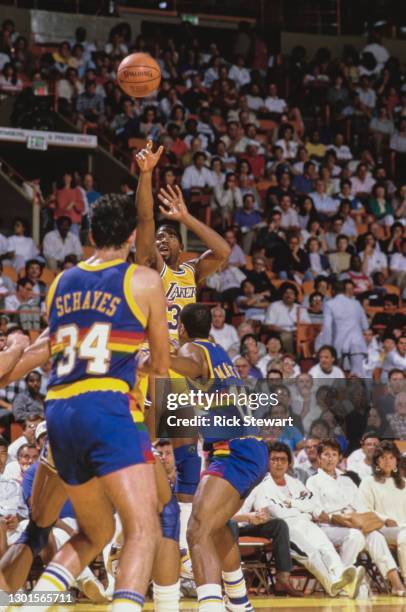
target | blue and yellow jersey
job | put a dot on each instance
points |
(180, 290)
(96, 328)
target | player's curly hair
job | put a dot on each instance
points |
(113, 219)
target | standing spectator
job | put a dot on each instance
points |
(60, 243)
(224, 334)
(21, 247)
(29, 403)
(68, 202)
(343, 327)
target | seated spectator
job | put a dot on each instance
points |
(260, 279)
(273, 353)
(243, 329)
(30, 402)
(3, 454)
(340, 259)
(307, 460)
(89, 106)
(27, 454)
(397, 267)
(319, 264)
(33, 271)
(252, 304)
(254, 158)
(285, 497)
(396, 382)
(338, 497)
(397, 420)
(346, 194)
(287, 142)
(28, 436)
(252, 354)
(373, 260)
(6, 287)
(289, 217)
(197, 175)
(324, 204)
(25, 306)
(362, 183)
(305, 183)
(384, 493)
(228, 198)
(248, 221)
(349, 227)
(224, 334)
(282, 316)
(379, 205)
(362, 281)
(61, 242)
(237, 257)
(341, 150)
(360, 461)
(270, 240)
(149, 126)
(21, 248)
(293, 264)
(325, 368)
(273, 104)
(315, 309)
(381, 129)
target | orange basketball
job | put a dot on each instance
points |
(139, 75)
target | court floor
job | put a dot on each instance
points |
(308, 604)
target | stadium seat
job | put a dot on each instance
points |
(306, 335)
(16, 430)
(255, 563)
(308, 287)
(47, 276)
(10, 272)
(392, 289)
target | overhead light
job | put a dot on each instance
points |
(163, 5)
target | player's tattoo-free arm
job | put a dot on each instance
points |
(16, 344)
(174, 208)
(34, 356)
(188, 362)
(146, 251)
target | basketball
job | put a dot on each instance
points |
(139, 75)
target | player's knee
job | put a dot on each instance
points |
(36, 538)
(197, 530)
(170, 520)
(188, 466)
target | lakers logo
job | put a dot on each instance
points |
(176, 292)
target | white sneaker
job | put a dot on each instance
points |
(347, 577)
(230, 607)
(353, 587)
(93, 590)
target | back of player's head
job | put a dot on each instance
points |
(113, 220)
(196, 319)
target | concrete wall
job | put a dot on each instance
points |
(312, 42)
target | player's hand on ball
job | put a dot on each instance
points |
(147, 159)
(173, 205)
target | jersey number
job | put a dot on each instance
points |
(93, 348)
(173, 316)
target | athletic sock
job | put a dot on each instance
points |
(125, 600)
(210, 598)
(185, 512)
(235, 587)
(55, 578)
(166, 598)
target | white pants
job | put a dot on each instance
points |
(396, 536)
(311, 546)
(352, 541)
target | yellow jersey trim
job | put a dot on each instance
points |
(132, 304)
(208, 358)
(84, 386)
(51, 293)
(83, 265)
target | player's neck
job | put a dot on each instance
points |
(105, 255)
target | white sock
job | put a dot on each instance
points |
(166, 598)
(235, 587)
(185, 512)
(125, 606)
(55, 578)
(210, 598)
(126, 600)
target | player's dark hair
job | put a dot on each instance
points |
(196, 319)
(170, 229)
(162, 442)
(280, 447)
(113, 220)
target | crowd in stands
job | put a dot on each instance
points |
(301, 165)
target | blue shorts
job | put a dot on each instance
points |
(243, 462)
(94, 434)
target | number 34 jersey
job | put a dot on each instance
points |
(96, 327)
(180, 290)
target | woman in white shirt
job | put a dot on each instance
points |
(23, 247)
(385, 494)
(288, 144)
(373, 260)
(227, 198)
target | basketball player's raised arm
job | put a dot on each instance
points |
(188, 362)
(148, 293)
(146, 251)
(34, 356)
(174, 208)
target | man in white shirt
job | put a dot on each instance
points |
(197, 175)
(282, 316)
(283, 496)
(397, 267)
(342, 151)
(396, 359)
(61, 242)
(325, 368)
(239, 73)
(360, 460)
(289, 216)
(362, 182)
(273, 103)
(26, 455)
(224, 334)
(325, 205)
(338, 497)
(28, 436)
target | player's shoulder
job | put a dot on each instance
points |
(142, 274)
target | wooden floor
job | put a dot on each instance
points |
(308, 604)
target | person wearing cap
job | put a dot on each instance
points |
(27, 437)
(30, 402)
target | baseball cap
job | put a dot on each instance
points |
(40, 430)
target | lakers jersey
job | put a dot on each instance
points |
(180, 290)
(96, 327)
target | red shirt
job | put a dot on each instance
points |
(63, 198)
